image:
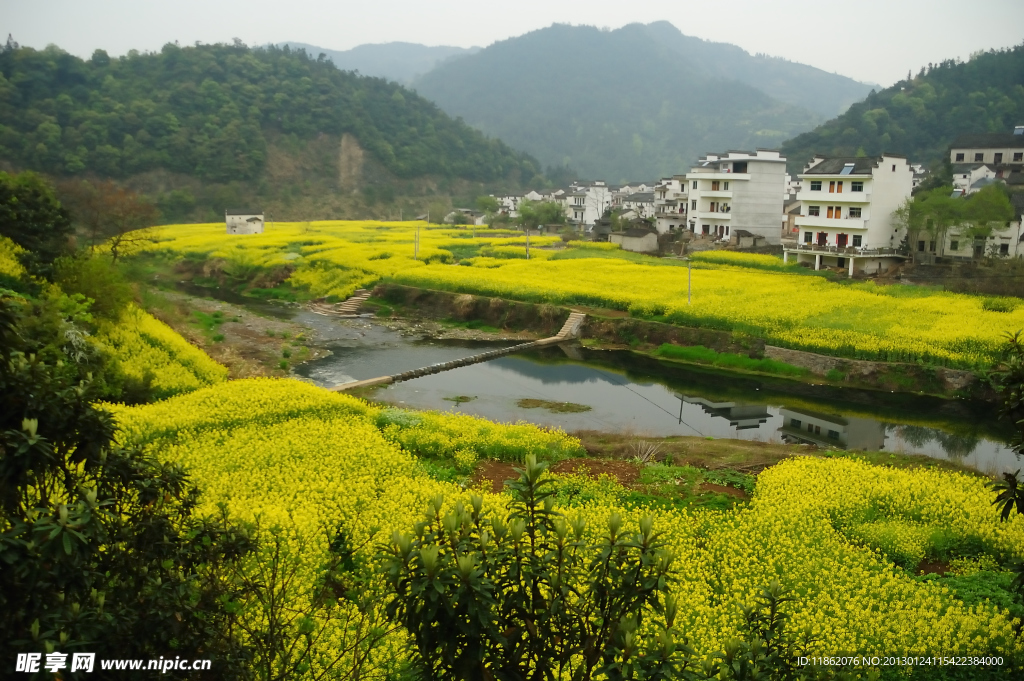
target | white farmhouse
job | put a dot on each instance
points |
(243, 221)
(737, 190)
(846, 217)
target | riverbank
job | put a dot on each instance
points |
(614, 330)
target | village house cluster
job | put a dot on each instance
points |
(837, 213)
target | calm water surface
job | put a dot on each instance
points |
(631, 394)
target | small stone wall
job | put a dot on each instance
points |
(951, 379)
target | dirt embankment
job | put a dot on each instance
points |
(248, 344)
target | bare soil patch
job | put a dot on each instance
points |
(625, 472)
(250, 346)
(491, 475)
(932, 567)
(722, 489)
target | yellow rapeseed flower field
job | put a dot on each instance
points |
(735, 292)
(146, 346)
(307, 459)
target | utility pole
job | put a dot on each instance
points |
(689, 283)
(416, 245)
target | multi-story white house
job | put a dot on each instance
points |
(585, 202)
(737, 190)
(670, 202)
(994, 148)
(846, 218)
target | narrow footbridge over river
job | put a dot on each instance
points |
(570, 330)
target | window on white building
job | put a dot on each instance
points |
(816, 185)
(857, 240)
(959, 157)
(814, 211)
(1018, 156)
(695, 184)
(854, 212)
(954, 245)
(979, 157)
(856, 186)
(725, 186)
(693, 204)
(808, 237)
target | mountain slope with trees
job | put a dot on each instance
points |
(921, 116)
(227, 120)
(634, 103)
(397, 61)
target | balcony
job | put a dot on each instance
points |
(716, 194)
(841, 224)
(815, 249)
(708, 215)
(716, 176)
(824, 198)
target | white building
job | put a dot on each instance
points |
(971, 177)
(243, 221)
(670, 202)
(846, 215)
(584, 202)
(737, 190)
(994, 148)
(640, 203)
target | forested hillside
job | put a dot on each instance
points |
(635, 103)
(921, 116)
(217, 114)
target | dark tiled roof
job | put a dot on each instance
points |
(991, 140)
(238, 211)
(1017, 200)
(833, 166)
(967, 167)
(639, 197)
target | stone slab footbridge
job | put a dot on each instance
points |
(570, 330)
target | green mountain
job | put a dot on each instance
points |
(397, 61)
(222, 125)
(920, 117)
(637, 102)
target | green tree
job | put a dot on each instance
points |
(32, 217)
(532, 594)
(1008, 380)
(526, 595)
(532, 214)
(101, 547)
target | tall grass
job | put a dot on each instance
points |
(727, 360)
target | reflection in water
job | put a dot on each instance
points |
(739, 416)
(630, 394)
(831, 430)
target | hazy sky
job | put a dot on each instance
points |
(870, 40)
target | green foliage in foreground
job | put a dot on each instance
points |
(535, 595)
(101, 547)
(727, 360)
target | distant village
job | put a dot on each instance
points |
(838, 213)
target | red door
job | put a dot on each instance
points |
(841, 240)
(822, 238)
